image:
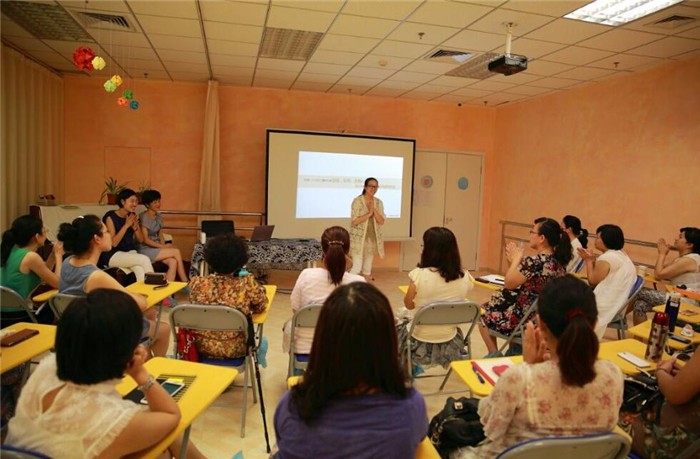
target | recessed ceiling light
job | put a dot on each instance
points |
(618, 12)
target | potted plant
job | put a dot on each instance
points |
(112, 189)
(143, 186)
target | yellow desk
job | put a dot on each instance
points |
(261, 317)
(488, 285)
(153, 295)
(210, 382)
(688, 313)
(16, 355)
(642, 331)
(688, 293)
(43, 297)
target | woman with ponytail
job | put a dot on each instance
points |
(524, 280)
(22, 268)
(578, 237)
(315, 284)
(561, 389)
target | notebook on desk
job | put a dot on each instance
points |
(262, 233)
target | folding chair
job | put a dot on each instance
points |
(13, 452)
(219, 318)
(59, 302)
(601, 446)
(305, 317)
(579, 266)
(11, 299)
(517, 335)
(445, 313)
(619, 322)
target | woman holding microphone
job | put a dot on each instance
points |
(366, 237)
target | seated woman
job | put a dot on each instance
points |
(22, 269)
(70, 408)
(524, 279)
(353, 400)
(612, 274)
(438, 277)
(315, 284)
(153, 244)
(578, 237)
(226, 256)
(123, 226)
(684, 269)
(86, 237)
(562, 388)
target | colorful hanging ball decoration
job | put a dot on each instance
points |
(134, 105)
(98, 63)
(110, 86)
(128, 94)
(82, 58)
(116, 79)
(122, 102)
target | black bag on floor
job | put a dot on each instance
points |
(456, 426)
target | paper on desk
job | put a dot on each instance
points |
(492, 278)
(492, 369)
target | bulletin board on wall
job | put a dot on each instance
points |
(129, 165)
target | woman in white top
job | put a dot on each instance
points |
(682, 270)
(578, 237)
(69, 407)
(315, 284)
(612, 274)
(438, 277)
(366, 221)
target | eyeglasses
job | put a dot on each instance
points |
(373, 186)
(534, 232)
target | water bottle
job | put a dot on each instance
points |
(657, 337)
(673, 304)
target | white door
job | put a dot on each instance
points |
(446, 192)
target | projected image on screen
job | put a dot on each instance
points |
(328, 182)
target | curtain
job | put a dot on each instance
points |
(32, 135)
(209, 179)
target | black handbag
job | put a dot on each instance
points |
(456, 426)
(641, 393)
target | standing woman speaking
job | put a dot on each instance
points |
(367, 219)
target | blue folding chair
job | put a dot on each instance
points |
(600, 446)
(619, 322)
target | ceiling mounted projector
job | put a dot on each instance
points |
(508, 64)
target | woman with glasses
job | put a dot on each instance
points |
(366, 237)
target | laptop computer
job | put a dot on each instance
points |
(262, 233)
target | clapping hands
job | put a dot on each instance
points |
(586, 254)
(535, 348)
(662, 247)
(514, 251)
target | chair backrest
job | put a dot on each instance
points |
(216, 227)
(636, 288)
(60, 302)
(307, 316)
(208, 317)
(579, 266)
(11, 299)
(600, 446)
(446, 313)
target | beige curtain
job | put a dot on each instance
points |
(209, 179)
(32, 135)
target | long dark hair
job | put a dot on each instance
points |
(567, 307)
(574, 224)
(367, 180)
(440, 251)
(22, 231)
(556, 238)
(335, 243)
(354, 352)
(76, 236)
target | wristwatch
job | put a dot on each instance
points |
(145, 387)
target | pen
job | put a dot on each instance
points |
(478, 375)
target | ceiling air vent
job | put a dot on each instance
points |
(449, 56)
(45, 21)
(296, 45)
(672, 22)
(103, 21)
(476, 67)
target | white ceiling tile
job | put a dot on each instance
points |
(186, 10)
(27, 43)
(234, 12)
(500, 98)
(185, 67)
(270, 83)
(452, 81)
(525, 22)
(531, 48)
(554, 83)
(489, 85)
(470, 92)
(436, 88)
(280, 64)
(518, 78)
(230, 71)
(311, 86)
(528, 90)
(667, 47)
(567, 31)
(450, 99)
(150, 75)
(176, 43)
(359, 81)
(384, 92)
(420, 95)
(369, 72)
(275, 75)
(692, 33)
(234, 80)
(141, 64)
(623, 62)
(230, 32)
(232, 47)
(182, 56)
(317, 78)
(387, 10)
(552, 8)
(190, 76)
(473, 40)
(234, 61)
(398, 85)
(619, 40)
(435, 68)
(64, 47)
(170, 26)
(586, 73)
(545, 68)
(346, 43)
(449, 14)
(646, 24)
(296, 19)
(401, 49)
(118, 38)
(576, 55)
(127, 53)
(412, 77)
(352, 90)
(391, 62)
(649, 65)
(432, 35)
(358, 26)
(335, 57)
(331, 6)
(330, 69)
(112, 6)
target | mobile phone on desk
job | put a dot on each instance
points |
(171, 387)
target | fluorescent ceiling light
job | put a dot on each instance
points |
(618, 12)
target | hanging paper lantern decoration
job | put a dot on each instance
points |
(110, 86)
(128, 94)
(134, 105)
(98, 63)
(122, 102)
(116, 79)
(82, 58)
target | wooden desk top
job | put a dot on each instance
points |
(210, 382)
(16, 355)
(261, 317)
(642, 331)
(688, 313)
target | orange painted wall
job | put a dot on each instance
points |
(623, 151)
